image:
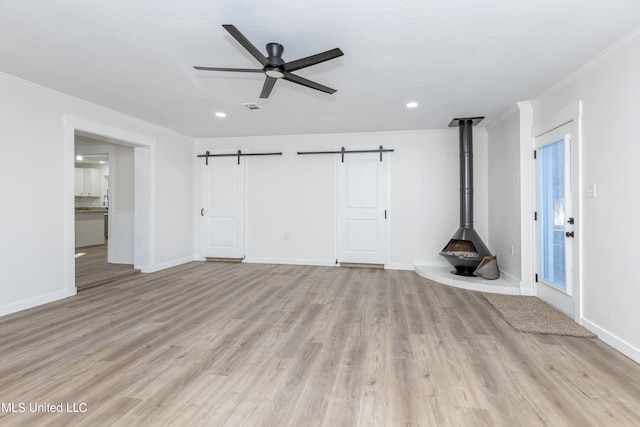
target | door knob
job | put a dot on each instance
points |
(569, 234)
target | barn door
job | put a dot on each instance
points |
(362, 208)
(223, 205)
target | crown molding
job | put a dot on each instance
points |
(69, 98)
(511, 110)
(609, 53)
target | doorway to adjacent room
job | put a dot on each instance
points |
(140, 245)
(104, 204)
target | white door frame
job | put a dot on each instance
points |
(144, 184)
(572, 115)
(562, 299)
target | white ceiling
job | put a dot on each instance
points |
(456, 58)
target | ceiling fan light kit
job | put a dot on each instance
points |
(274, 72)
(274, 67)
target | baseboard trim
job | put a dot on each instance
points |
(34, 302)
(289, 261)
(610, 339)
(165, 265)
(509, 278)
(517, 282)
(361, 265)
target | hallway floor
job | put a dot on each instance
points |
(92, 268)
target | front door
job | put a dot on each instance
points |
(556, 219)
(362, 208)
(222, 212)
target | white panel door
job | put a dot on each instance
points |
(222, 213)
(362, 223)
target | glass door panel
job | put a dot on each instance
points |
(551, 186)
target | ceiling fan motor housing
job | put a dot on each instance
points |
(274, 51)
(275, 66)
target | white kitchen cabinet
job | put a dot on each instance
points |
(79, 180)
(93, 189)
(87, 182)
(89, 229)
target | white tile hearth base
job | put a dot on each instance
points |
(442, 274)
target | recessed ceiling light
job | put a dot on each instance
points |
(220, 114)
(412, 104)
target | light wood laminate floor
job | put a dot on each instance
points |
(218, 344)
(92, 268)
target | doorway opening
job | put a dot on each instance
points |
(103, 195)
(130, 221)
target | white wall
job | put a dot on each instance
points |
(610, 153)
(504, 195)
(36, 219)
(174, 201)
(610, 93)
(295, 195)
(121, 206)
(123, 179)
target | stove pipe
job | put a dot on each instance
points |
(466, 249)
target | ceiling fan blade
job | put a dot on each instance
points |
(269, 82)
(241, 70)
(308, 83)
(246, 43)
(313, 59)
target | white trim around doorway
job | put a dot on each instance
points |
(144, 182)
(544, 124)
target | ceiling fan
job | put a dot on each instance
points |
(275, 67)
